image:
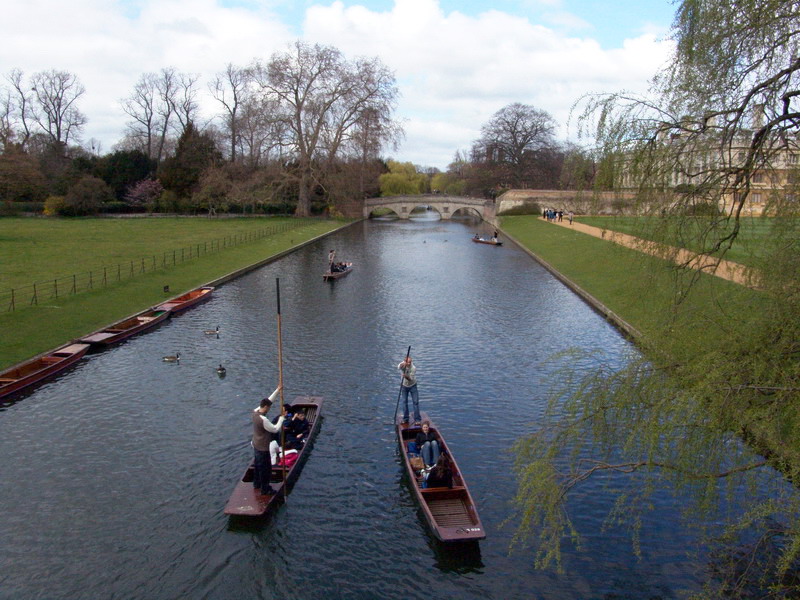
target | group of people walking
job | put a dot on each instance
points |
(556, 216)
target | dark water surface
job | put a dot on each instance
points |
(113, 477)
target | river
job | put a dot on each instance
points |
(114, 476)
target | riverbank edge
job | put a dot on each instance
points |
(215, 282)
(628, 330)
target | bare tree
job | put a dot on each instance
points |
(185, 100)
(230, 88)
(141, 107)
(22, 110)
(320, 97)
(513, 138)
(56, 94)
(166, 87)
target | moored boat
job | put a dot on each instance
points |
(246, 501)
(125, 329)
(480, 240)
(186, 300)
(35, 370)
(450, 512)
(330, 275)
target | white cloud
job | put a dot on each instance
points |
(454, 70)
(459, 70)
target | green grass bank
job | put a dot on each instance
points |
(44, 249)
(714, 316)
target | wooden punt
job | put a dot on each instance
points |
(450, 512)
(483, 241)
(328, 276)
(187, 300)
(246, 501)
(35, 370)
(125, 329)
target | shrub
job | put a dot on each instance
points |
(55, 205)
(527, 208)
(87, 196)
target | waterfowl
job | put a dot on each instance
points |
(221, 371)
(212, 331)
(175, 358)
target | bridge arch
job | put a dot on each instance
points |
(446, 206)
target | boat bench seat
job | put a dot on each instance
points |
(7, 379)
(455, 488)
(51, 359)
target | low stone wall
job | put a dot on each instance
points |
(579, 202)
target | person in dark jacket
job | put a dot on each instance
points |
(441, 475)
(428, 445)
(297, 430)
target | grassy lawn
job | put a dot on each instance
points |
(639, 289)
(43, 249)
(753, 237)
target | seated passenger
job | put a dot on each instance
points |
(428, 445)
(441, 475)
(297, 430)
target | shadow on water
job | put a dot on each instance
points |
(461, 558)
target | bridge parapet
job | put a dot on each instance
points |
(446, 206)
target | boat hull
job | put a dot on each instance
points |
(450, 513)
(127, 328)
(490, 242)
(246, 501)
(187, 300)
(29, 373)
(329, 276)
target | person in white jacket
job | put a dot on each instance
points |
(265, 446)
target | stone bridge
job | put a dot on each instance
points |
(445, 205)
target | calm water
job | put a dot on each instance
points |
(113, 477)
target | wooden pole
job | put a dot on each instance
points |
(280, 384)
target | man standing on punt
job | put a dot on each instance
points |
(264, 433)
(409, 386)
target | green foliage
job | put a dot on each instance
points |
(403, 180)
(720, 363)
(21, 180)
(195, 153)
(526, 208)
(121, 170)
(87, 196)
(55, 205)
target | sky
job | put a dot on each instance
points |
(456, 62)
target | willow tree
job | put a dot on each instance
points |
(721, 119)
(322, 100)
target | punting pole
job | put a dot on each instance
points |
(400, 391)
(280, 383)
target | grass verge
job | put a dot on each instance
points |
(34, 329)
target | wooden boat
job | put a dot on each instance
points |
(125, 329)
(483, 241)
(246, 501)
(37, 369)
(330, 276)
(186, 300)
(450, 512)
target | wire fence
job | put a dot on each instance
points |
(68, 285)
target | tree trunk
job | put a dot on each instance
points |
(303, 200)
